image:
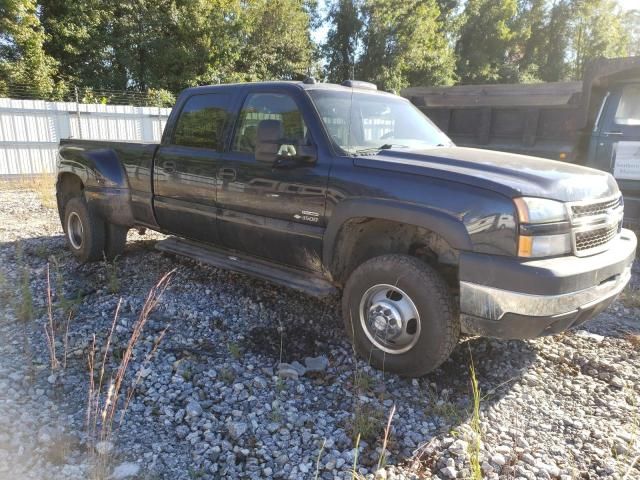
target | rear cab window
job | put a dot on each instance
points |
(628, 112)
(202, 122)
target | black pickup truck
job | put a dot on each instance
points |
(325, 187)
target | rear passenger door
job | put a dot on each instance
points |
(185, 168)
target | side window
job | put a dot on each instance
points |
(202, 122)
(268, 106)
(628, 112)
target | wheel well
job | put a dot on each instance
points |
(68, 186)
(361, 239)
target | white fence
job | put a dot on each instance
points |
(31, 129)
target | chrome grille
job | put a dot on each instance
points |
(595, 238)
(600, 208)
(595, 225)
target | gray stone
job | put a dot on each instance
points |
(193, 409)
(316, 364)
(125, 470)
(286, 371)
(237, 429)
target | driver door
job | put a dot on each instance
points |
(272, 210)
(618, 144)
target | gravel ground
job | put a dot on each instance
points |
(255, 381)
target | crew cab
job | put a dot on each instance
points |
(342, 188)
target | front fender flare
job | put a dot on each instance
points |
(448, 226)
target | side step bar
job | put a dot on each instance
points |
(286, 276)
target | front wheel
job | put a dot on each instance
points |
(400, 315)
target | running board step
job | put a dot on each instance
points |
(286, 276)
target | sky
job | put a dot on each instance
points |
(320, 34)
(629, 4)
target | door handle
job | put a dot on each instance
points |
(227, 174)
(613, 133)
(169, 166)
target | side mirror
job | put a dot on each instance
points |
(268, 135)
(271, 148)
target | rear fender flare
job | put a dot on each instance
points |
(105, 182)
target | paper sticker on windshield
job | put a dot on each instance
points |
(627, 166)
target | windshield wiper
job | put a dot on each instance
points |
(386, 146)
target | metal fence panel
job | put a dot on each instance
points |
(31, 129)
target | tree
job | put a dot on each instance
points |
(404, 45)
(531, 33)
(553, 59)
(486, 40)
(596, 31)
(342, 39)
(76, 37)
(276, 40)
(22, 57)
(631, 23)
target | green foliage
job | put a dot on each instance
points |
(22, 57)
(277, 41)
(597, 31)
(631, 23)
(486, 40)
(342, 39)
(404, 45)
(154, 48)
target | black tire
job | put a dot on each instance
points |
(439, 322)
(116, 239)
(87, 242)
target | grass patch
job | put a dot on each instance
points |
(234, 350)
(474, 445)
(227, 376)
(111, 274)
(367, 422)
(633, 339)
(630, 298)
(364, 382)
(43, 185)
(25, 310)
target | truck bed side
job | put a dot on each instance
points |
(116, 178)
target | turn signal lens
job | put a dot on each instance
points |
(525, 246)
(544, 245)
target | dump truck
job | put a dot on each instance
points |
(595, 122)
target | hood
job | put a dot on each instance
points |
(507, 173)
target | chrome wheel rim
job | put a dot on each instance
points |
(389, 318)
(75, 230)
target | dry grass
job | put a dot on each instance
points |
(43, 185)
(474, 445)
(104, 397)
(633, 339)
(630, 298)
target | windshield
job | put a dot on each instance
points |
(361, 123)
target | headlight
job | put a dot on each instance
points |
(540, 210)
(544, 228)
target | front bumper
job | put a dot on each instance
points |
(506, 298)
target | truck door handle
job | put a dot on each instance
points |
(613, 133)
(227, 174)
(169, 167)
